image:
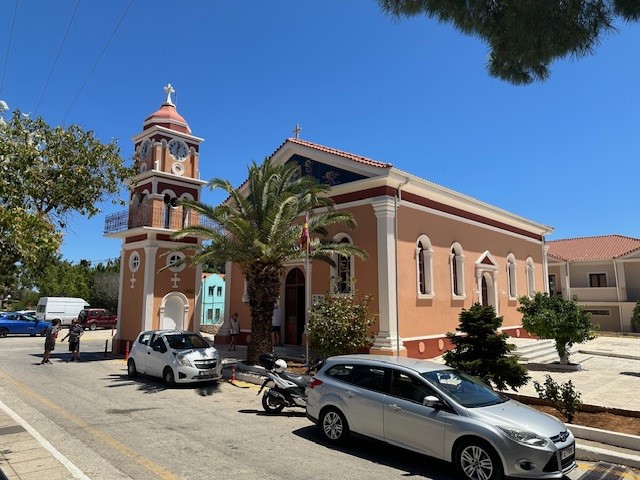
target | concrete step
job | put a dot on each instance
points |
(541, 351)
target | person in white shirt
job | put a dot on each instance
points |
(234, 330)
(276, 323)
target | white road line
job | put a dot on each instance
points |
(75, 471)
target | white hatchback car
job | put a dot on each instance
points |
(175, 356)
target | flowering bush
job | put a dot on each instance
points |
(341, 324)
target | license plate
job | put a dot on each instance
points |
(567, 452)
(207, 373)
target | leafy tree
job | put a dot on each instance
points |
(483, 352)
(46, 173)
(341, 324)
(105, 286)
(635, 317)
(260, 232)
(525, 36)
(63, 279)
(557, 319)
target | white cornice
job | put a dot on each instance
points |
(165, 131)
(169, 177)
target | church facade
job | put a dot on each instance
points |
(432, 252)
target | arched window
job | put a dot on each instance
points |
(531, 279)
(424, 267)
(342, 273)
(457, 270)
(511, 276)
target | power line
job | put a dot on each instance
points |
(57, 56)
(6, 58)
(97, 61)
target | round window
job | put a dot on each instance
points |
(177, 168)
(134, 261)
(175, 261)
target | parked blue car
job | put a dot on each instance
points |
(20, 323)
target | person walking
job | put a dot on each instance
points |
(50, 340)
(234, 330)
(75, 332)
(276, 326)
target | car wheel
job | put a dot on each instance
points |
(43, 332)
(132, 372)
(92, 326)
(477, 460)
(271, 404)
(334, 426)
(4, 332)
(168, 377)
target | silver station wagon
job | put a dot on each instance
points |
(441, 412)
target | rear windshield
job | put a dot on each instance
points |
(185, 341)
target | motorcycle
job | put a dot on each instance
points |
(288, 389)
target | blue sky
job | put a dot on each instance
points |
(413, 93)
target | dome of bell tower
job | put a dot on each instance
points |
(167, 116)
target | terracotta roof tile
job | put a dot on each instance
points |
(333, 151)
(604, 247)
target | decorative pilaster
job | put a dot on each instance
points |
(149, 283)
(387, 341)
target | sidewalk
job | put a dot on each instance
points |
(25, 455)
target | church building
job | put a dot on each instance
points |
(432, 252)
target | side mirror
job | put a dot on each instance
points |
(431, 401)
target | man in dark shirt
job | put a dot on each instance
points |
(75, 332)
(50, 340)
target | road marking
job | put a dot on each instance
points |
(99, 434)
(75, 471)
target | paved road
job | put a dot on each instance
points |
(113, 428)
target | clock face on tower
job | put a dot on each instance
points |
(145, 149)
(178, 149)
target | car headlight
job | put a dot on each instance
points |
(529, 439)
(184, 361)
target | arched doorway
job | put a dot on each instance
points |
(294, 307)
(173, 312)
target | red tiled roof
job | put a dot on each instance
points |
(592, 248)
(322, 148)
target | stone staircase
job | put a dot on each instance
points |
(536, 352)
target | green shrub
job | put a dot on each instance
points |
(482, 351)
(635, 317)
(341, 324)
(564, 397)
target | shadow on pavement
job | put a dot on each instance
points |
(85, 357)
(413, 464)
(284, 413)
(152, 385)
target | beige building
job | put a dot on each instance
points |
(432, 252)
(156, 290)
(602, 272)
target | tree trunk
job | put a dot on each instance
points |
(263, 288)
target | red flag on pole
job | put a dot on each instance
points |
(304, 238)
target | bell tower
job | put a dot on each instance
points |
(156, 291)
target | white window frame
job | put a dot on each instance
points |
(134, 261)
(334, 280)
(427, 263)
(512, 278)
(531, 277)
(457, 253)
(170, 259)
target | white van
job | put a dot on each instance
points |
(64, 309)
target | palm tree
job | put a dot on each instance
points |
(259, 230)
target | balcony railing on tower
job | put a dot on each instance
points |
(166, 217)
